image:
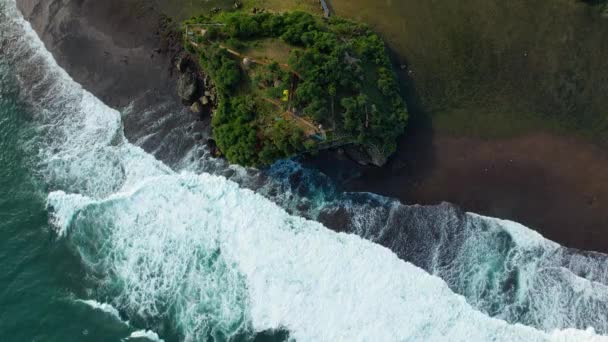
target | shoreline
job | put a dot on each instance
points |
(555, 185)
(534, 180)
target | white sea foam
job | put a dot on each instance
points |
(523, 236)
(293, 273)
(105, 307)
(216, 259)
(148, 335)
(80, 141)
(551, 292)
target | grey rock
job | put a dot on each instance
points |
(376, 156)
(181, 64)
(187, 87)
(196, 108)
(367, 155)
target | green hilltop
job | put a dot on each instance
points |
(292, 83)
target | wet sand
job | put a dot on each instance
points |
(114, 50)
(556, 185)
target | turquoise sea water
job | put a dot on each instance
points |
(39, 277)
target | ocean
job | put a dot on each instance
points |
(102, 242)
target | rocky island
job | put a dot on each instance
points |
(282, 84)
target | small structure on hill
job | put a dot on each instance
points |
(326, 11)
(247, 62)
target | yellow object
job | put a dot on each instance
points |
(285, 95)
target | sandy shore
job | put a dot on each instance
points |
(113, 48)
(557, 185)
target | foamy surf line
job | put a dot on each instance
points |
(284, 271)
(503, 268)
(137, 335)
(103, 307)
(210, 257)
(146, 335)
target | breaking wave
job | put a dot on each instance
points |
(104, 307)
(147, 335)
(504, 269)
(219, 260)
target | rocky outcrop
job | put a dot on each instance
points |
(188, 87)
(366, 155)
(194, 87)
(377, 157)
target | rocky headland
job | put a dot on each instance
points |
(116, 50)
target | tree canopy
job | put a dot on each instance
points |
(344, 82)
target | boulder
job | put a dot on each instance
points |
(204, 100)
(196, 108)
(377, 158)
(355, 153)
(187, 87)
(368, 155)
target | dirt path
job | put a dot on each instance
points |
(308, 127)
(257, 61)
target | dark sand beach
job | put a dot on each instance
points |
(555, 184)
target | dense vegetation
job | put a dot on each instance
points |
(335, 87)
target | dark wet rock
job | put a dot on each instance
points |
(337, 219)
(355, 153)
(366, 155)
(376, 156)
(182, 64)
(187, 87)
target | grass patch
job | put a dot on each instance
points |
(184, 9)
(269, 49)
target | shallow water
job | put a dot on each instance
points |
(39, 277)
